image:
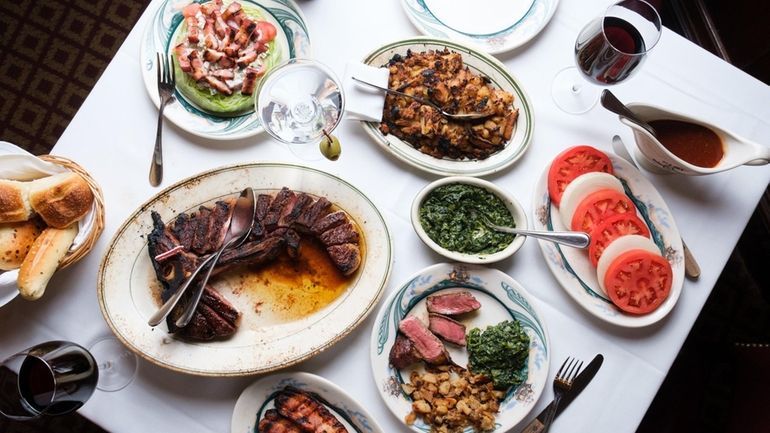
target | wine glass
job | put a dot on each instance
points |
(300, 102)
(608, 50)
(58, 377)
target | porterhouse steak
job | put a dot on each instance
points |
(178, 247)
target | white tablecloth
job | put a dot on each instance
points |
(112, 137)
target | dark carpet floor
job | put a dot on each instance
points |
(53, 52)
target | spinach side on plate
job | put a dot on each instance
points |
(447, 219)
(499, 352)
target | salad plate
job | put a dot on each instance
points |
(573, 269)
(479, 63)
(501, 298)
(494, 26)
(292, 40)
(271, 335)
(260, 396)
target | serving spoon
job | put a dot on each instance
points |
(237, 231)
(460, 117)
(612, 103)
(568, 238)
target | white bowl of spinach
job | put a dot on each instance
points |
(448, 217)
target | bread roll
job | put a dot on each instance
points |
(15, 241)
(43, 258)
(14, 203)
(61, 199)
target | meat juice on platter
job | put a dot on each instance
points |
(302, 253)
(609, 50)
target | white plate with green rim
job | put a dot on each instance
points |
(480, 63)
(495, 26)
(292, 40)
(271, 335)
(501, 298)
(574, 270)
(260, 395)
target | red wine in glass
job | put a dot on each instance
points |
(51, 378)
(608, 50)
(612, 48)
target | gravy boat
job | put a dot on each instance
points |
(653, 156)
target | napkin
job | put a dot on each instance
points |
(18, 164)
(364, 102)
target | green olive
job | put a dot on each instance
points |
(330, 147)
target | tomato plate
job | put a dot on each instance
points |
(573, 269)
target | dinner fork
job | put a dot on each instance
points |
(166, 83)
(562, 383)
(448, 115)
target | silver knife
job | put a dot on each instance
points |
(582, 379)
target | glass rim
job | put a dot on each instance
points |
(300, 60)
(657, 20)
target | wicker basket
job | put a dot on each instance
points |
(90, 241)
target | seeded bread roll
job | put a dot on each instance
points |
(61, 199)
(43, 258)
(15, 241)
(14, 203)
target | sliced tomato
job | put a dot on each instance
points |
(598, 206)
(612, 228)
(572, 163)
(266, 32)
(638, 281)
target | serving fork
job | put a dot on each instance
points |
(562, 383)
(448, 115)
(166, 83)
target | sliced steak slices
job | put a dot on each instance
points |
(197, 329)
(172, 271)
(328, 222)
(403, 354)
(285, 197)
(220, 327)
(274, 422)
(307, 412)
(346, 257)
(184, 230)
(313, 213)
(342, 234)
(430, 348)
(290, 213)
(447, 329)
(452, 303)
(219, 223)
(263, 204)
(222, 306)
(292, 243)
(200, 241)
(256, 252)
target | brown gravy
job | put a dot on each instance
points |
(693, 143)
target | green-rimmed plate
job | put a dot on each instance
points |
(260, 396)
(266, 339)
(495, 26)
(501, 298)
(479, 63)
(573, 269)
(292, 40)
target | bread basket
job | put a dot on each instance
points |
(89, 241)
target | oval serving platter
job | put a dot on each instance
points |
(482, 23)
(127, 287)
(260, 395)
(479, 63)
(292, 40)
(574, 271)
(501, 298)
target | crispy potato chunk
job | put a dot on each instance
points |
(450, 398)
(441, 77)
